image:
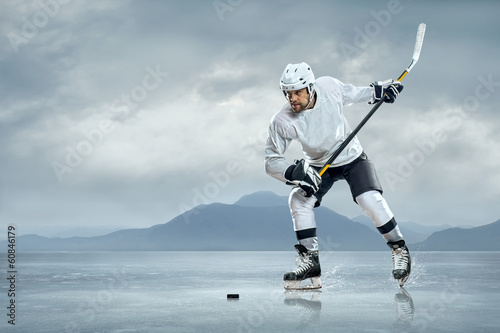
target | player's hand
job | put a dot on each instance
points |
(388, 90)
(305, 176)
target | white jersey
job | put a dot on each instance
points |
(320, 130)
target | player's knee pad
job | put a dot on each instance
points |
(296, 201)
(301, 209)
(374, 205)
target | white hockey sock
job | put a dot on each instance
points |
(308, 239)
(311, 244)
(391, 231)
(374, 205)
(304, 223)
(301, 209)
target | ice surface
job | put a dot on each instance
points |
(187, 292)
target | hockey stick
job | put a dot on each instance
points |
(414, 59)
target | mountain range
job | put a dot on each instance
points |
(261, 222)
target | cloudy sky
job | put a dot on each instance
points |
(124, 114)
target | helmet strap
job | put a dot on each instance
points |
(312, 94)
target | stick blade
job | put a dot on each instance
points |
(418, 45)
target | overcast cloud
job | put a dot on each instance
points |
(123, 114)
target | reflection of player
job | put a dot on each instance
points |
(404, 309)
(309, 303)
(314, 117)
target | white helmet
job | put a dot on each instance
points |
(296, 77)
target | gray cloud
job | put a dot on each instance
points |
(141, 149)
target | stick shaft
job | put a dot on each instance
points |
(350, 137)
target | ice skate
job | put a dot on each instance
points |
(308, 267)
(401, 262)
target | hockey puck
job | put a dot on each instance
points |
(233, 296)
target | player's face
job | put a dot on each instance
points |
(298, 99)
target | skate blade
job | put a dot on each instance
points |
(295, 285)
(402, 281)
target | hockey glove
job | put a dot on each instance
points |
(304, 176)
(390, 88)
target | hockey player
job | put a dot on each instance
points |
(314, 117)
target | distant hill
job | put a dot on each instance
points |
(483, 238)
(262, 199)
(413, 232)
(260, 221)
(426, 230)
(257, 222)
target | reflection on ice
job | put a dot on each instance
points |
(187, 292)
(308, 303)
(309, 306)
(405, 308)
